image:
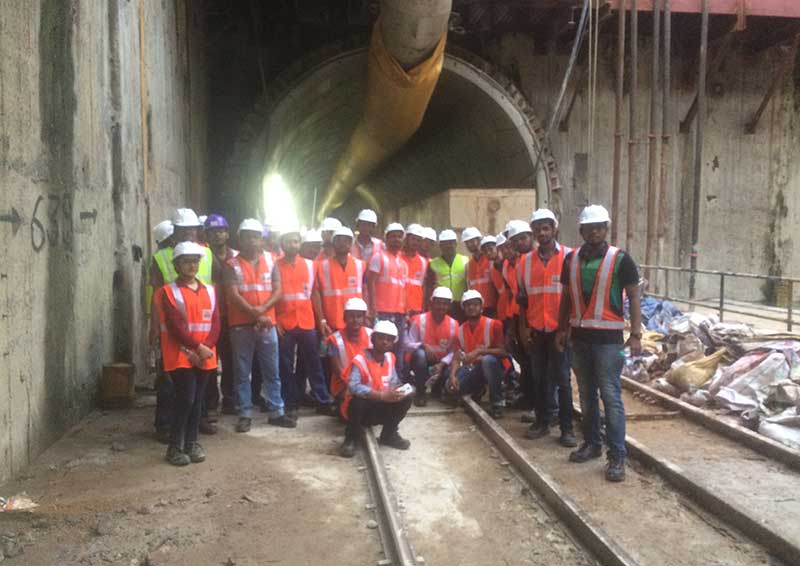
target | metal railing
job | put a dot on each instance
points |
(723, 275)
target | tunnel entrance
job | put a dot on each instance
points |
(479, 131)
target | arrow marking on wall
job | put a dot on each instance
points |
(14, 219)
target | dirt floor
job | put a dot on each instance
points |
(647, 518)
(464, 505)
(272, 496)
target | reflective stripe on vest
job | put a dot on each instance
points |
(330, 291)
(181, 304)
(338, 338)
(302, 296)
(599, 313)
(454, 276)
(435, 346)
(264, 285)
(487, 334)
(163, 259)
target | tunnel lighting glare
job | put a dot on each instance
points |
(279, 211)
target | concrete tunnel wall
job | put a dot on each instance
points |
(72, 166)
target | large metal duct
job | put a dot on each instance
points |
(405, 60)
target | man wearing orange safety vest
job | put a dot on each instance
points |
(375, 394)
(540, 295)
(297, 329)
(417, 268)
(252, 289)
(343, 345)
(432, 340)
(479, 268)
(190, 326)
(591, 316)
(386, 285)
(339, 278)
(365, 243)
(481, 351)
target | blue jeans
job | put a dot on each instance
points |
(307, 345)
(553, 390)
(399, 320)
(472, 379)
(598, 367)
(247, 343)
(422, 369)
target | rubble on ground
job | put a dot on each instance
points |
(726, 366)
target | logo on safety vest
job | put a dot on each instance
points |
(206, 315)
(385, 379)
(443, 342)
(352, 281)
(418, 275)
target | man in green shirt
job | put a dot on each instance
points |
(448, 270)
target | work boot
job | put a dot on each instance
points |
(177, 457)
(537, 431)
(307, 401)
(567, 439)
(328, 410)
(585, 453)
(615, 469)
(283, 421)
(421, 398)
(394, 440)
(212, 417)
(496, 411)
(244, 424)
(528, 417)
(163, 434)
(207, 427)
(348, 447)
(291, 413)
(195, 452)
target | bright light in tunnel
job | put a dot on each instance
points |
(279, 211)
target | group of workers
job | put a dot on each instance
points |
(360, 327)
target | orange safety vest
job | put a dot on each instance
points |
(415, 282)
(470, 338)
(440, 337)
(390, 288)
(543, 287)
(377, 246)
(597, 314)
(347, 351)
(336, 285)
(479, 278)
(254, 285)
(297, 281)
(197, 309)
(377, 376)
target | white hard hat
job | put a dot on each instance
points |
(162, 231)
(252, 225)
(343, 231)
(367, 215)
(442, 293)
(202, 218)
(385, 327)
(185, 218)
(395, 227)
(312, 237)
(500, 240)
(593, 214)
(488, 240)
(416, 230)
(430, 234)
(470, 295)
(188, 248)
(517, 227)
(448, 236)
(330, 224)
(355, 304)
(544, 214)
(470, 233)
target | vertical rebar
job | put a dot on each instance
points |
(618, 120)
(653, 169)
(630, 225)
(698, 147)
(666, 136)
(789, 306)
(721, 296)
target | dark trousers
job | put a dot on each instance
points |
(165, 400)
(307, 345)
(225, 355)
(421, 368)
(190, 386)
(551, 381)
(526, 381)
(368, 412)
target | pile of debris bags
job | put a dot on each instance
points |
(728, 366)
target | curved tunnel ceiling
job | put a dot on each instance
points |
(476, 133)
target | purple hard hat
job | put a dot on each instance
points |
(216, 221)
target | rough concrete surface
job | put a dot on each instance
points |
(73, 170)
(272, 496)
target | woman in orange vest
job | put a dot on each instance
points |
(375, 395)
(431, 341)
(190, 327)
(540, 294)
(343, 345)
(481, 351)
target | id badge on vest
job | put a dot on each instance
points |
(385, 379)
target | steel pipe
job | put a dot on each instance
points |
(665, 132)
(618, 122)
(653, 169)
(629, 225)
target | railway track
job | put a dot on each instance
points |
(473, 491)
